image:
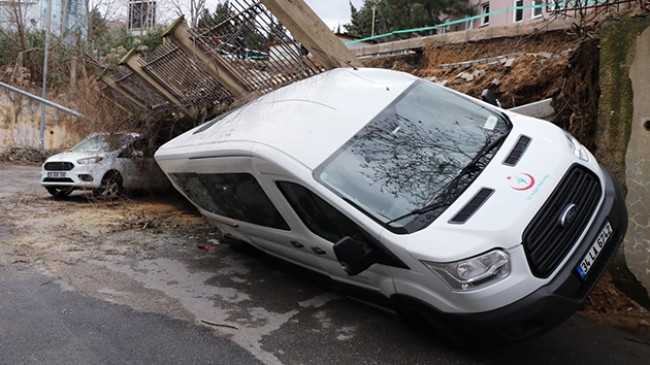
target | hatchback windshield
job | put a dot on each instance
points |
(101, 143)
(412, 154)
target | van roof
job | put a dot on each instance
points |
(307, 120)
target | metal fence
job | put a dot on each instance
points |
(184, 77)
(256, 47)
(246, 40)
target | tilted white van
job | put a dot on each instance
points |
(403, 193)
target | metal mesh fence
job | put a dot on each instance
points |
(244, 38)
(255, 46)
(185, 78)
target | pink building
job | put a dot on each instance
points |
(500, 12)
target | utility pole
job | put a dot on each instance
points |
(45, 60)
(372, 26)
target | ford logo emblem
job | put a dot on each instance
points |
(568, 215)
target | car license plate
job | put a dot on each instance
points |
(56, 174)
(595, 250)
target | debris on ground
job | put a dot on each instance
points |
(207, 247)
(23, 156)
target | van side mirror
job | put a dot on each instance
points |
(355, 255)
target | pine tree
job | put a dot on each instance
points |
(393, 15)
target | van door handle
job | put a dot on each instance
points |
(296, 244)
(318, 251)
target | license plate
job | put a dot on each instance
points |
(595, 250)
(56, 174)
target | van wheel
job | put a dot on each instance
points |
(110, 188)
(59, 191)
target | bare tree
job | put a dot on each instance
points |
(192, 9)
(14, 14)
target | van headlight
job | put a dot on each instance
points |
(89, 161)
(475, 272)
(578, 149)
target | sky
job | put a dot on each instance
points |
(332, 12)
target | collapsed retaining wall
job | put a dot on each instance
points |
(623, 138)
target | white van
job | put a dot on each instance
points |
(403, 193)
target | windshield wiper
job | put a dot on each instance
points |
(445, 198)
(473, 164)
(427, 208)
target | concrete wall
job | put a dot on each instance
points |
(492, 32)
(20, 120)
(623, 138)
(637, 164)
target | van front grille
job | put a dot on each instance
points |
(556, 227)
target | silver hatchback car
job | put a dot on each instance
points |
(107, 164)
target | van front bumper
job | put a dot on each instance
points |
(564, 294)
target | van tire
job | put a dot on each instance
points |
(59, 192)
(110, 187)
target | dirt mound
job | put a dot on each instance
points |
(550, 42)
(523, 79)
(577, 103)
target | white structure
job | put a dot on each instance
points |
(68, 16)
(142, 16)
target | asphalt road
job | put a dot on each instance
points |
(66, 314)
(44, 323)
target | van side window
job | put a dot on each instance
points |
(236, 195)
(319, 217)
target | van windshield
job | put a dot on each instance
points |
(423, 150)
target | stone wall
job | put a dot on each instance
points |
(20, 119)
(623, 139)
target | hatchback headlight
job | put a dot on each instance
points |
(578, 149)
(475, 272)
(89, 161)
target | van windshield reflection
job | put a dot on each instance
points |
(413, 154)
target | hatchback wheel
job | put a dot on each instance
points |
(110, 188)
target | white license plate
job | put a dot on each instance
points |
(595, 250)
(56, 174)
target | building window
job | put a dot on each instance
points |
(142, 14)
(485, 11)
(537, 10)
(519, 11)
(233, 195)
